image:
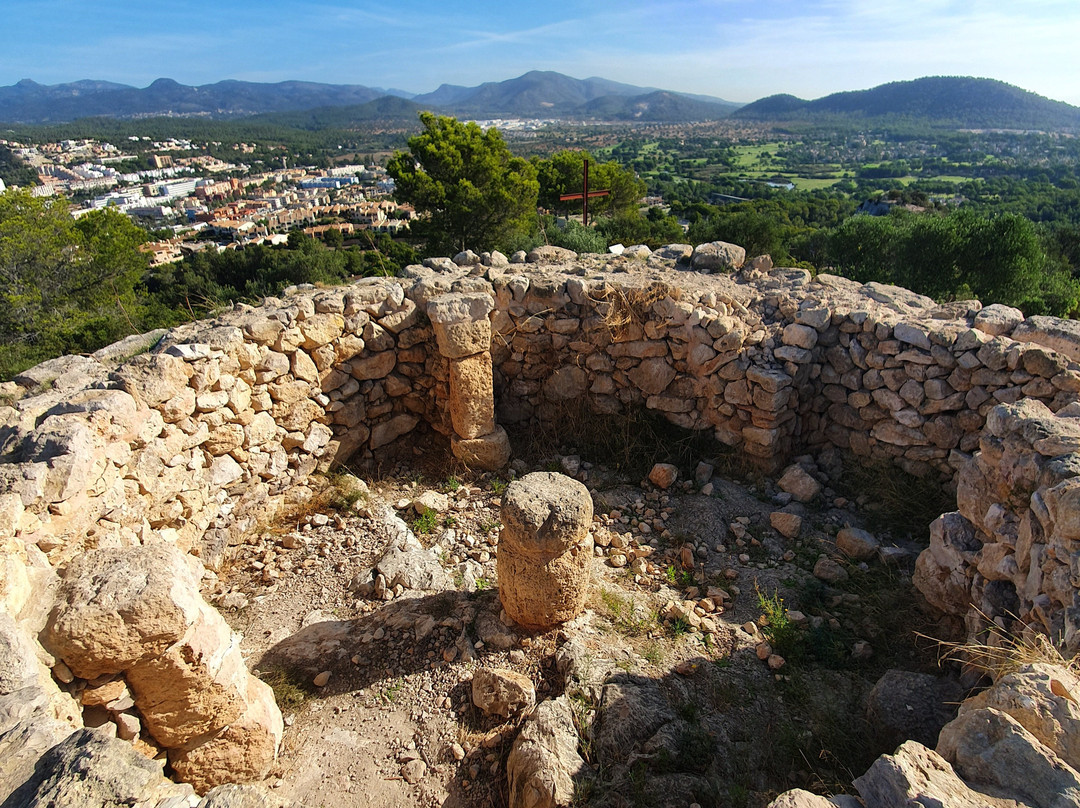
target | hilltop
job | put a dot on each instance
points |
(957, 101)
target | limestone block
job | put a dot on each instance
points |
(374, 366)
(717, 256)
(545, 549)
(857, 544)
(502, 692)
(566, 383)
(798, 482)
(998, 319)
(389, 431)
(1060, 335)
(548, 254)
(991, 748)
(242, 752)
(488, 452)
(152, 379)
(321, 329)
(653, 375)
(118, 607)
(800, 336)
(196, 686)
(544, 763)
(472, 399)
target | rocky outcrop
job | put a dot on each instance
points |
(1008, 553)
(138, 612)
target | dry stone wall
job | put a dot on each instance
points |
(188, 447)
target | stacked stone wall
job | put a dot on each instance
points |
(223, 422)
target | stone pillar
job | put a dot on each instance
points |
(545, 549)
(463, 332)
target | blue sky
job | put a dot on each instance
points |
(735, 49)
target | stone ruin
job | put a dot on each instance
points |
(126, 481)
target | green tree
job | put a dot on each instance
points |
(562, 174)
(473, 193)
(65, 285)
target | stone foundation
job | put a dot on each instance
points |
(193, 444)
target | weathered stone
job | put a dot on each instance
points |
(798, 482)
(472, 400)
(90, 770)
(1043, 699)
(1060, 335)
(544, 765)
(663, 475)
(242, 752)
(653, 375)
(916, 775)
(857, 544)
(990, 748)
(905, 705)
(196, 686)
(489, 452)
(801, 336)
(786, 524)
(389, 431)
(548, 254)
(830, 571)
(117, 608)
(502, 692)
(566, 383)
(717, 256)
(544, 549)
(998, 319)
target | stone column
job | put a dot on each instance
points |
(544, 549)
(463, 332)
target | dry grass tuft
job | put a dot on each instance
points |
(623, 308)
(1003, 653)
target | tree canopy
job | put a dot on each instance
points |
(473, 192)
(65, 284)
(562, 174)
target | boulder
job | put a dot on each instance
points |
(196, 686)
(544, 765)
(1043, 699)
(242, 752)
(786, 524)
(905, 705)
(1060, 335)
(797, 798)
(548, 254)
(857, 544)
(990, 748)
(915, 776)
(502, 692)
(798, 482)
(717, 256)
(488, 452)
(90, 770)
(117, 608)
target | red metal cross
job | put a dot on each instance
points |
(584, 195)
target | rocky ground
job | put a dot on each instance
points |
(730, 600)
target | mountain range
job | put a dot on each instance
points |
(940, 101)
(957, 100)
